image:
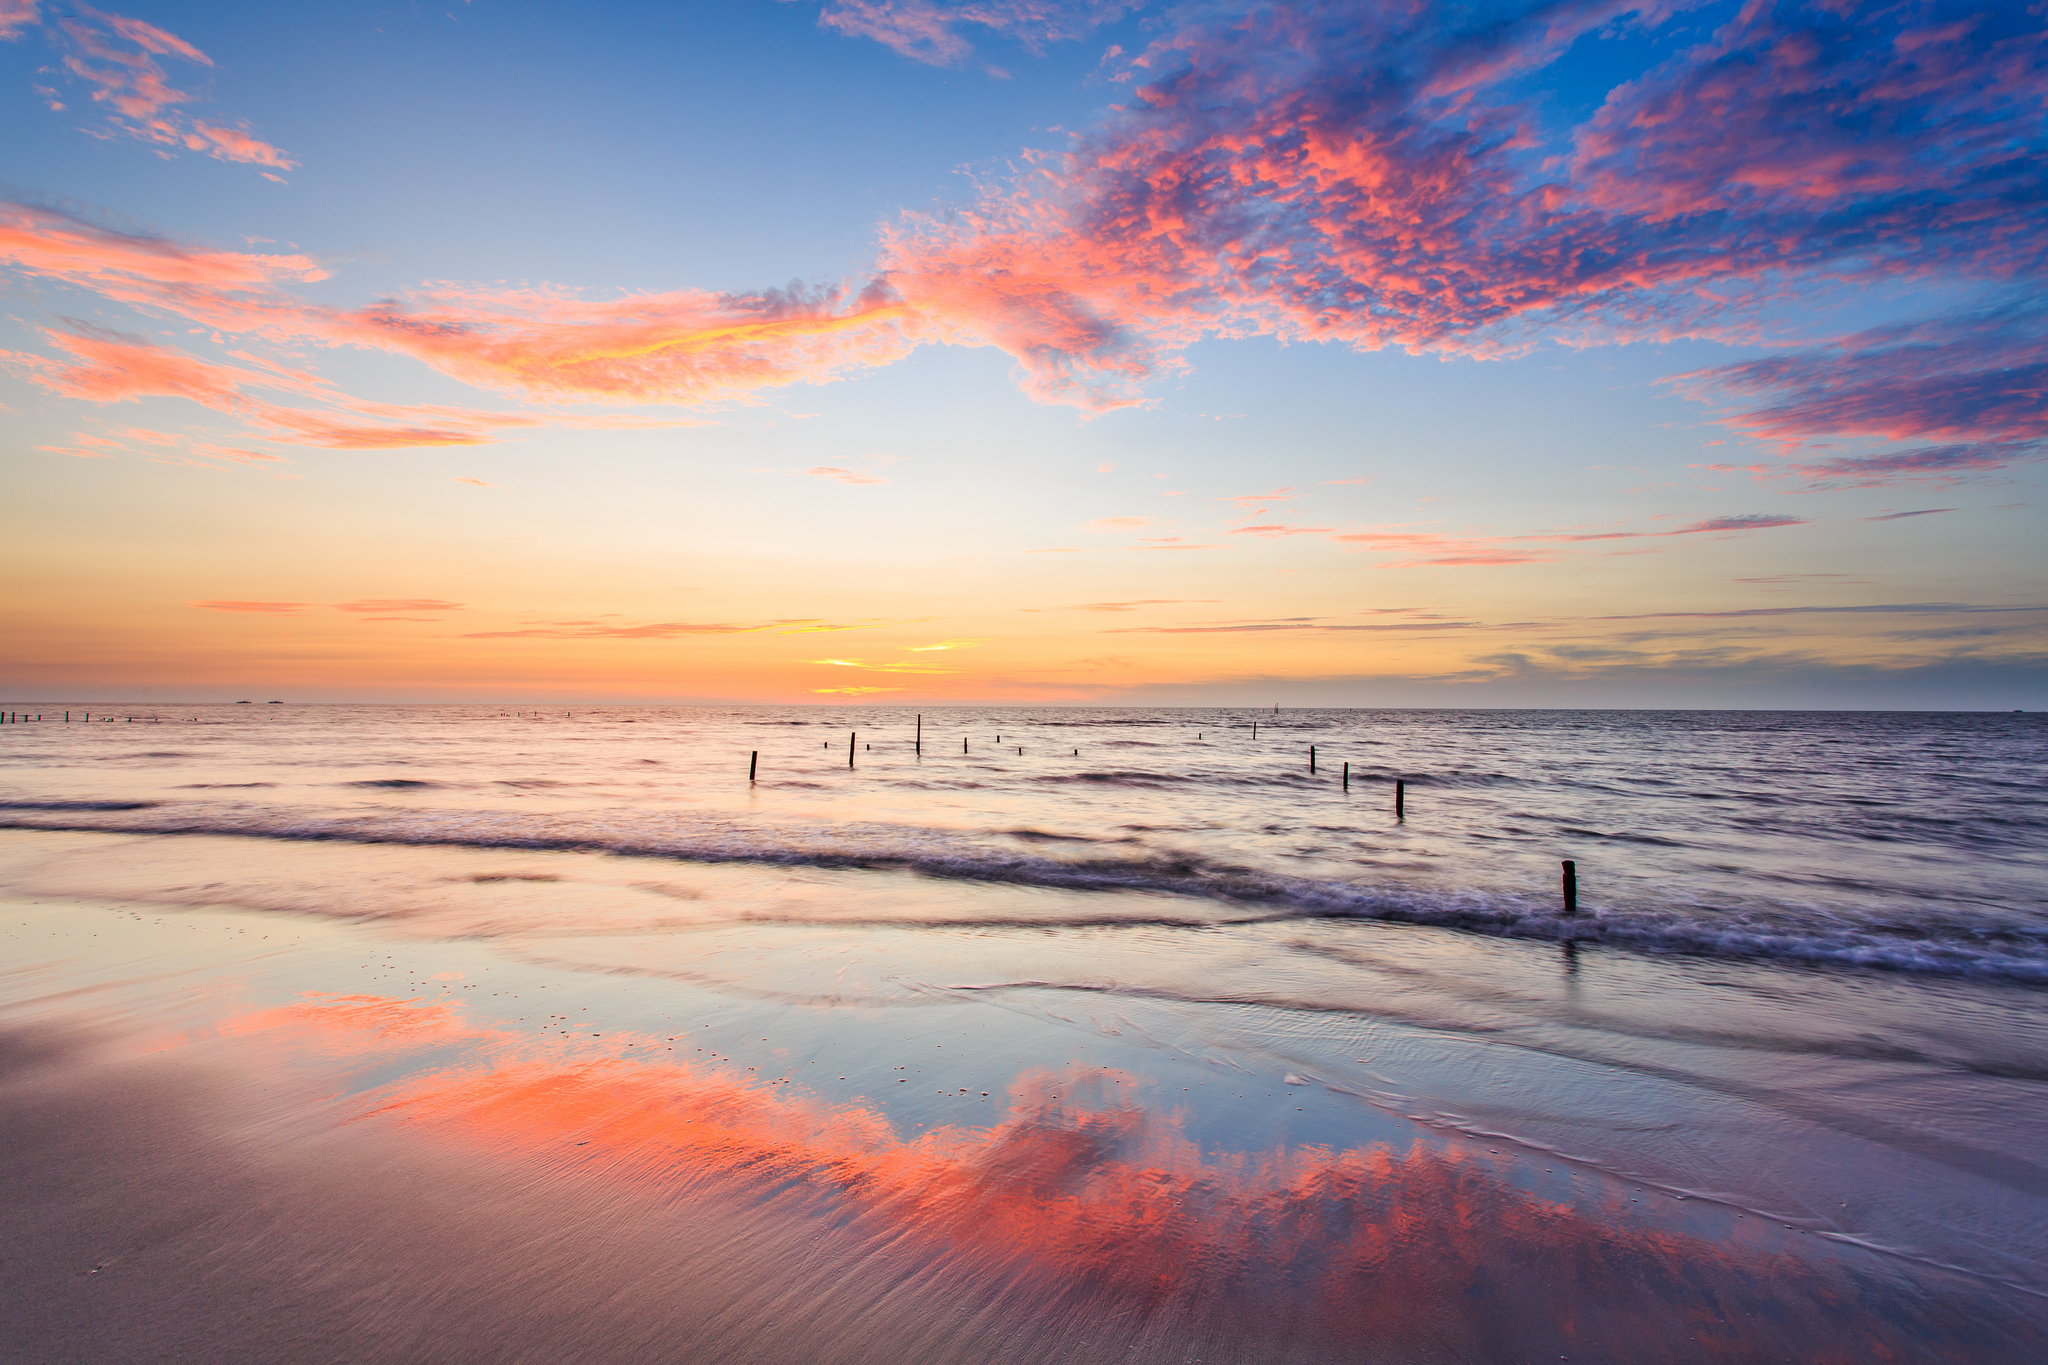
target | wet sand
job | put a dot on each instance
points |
(234, 1136)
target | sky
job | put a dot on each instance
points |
(1595, 353)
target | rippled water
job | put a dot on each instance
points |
(1911, 841)
(1216, 1043)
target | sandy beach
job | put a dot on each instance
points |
(235, 1132)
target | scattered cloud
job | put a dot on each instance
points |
(111, 367)
(1141, 602)
(1341, 171)
(15, 15)
(1105, 525)
(1305, 624)
(1540, 547)
(1901, 516)
(881, 667)
(658, 630)
(1278, 529)
(1883, 608)
(115, 57)
(257, 608)
(478, 482)
(394, 604)
(826, 471)
(928, 30)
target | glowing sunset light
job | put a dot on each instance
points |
(1641, 306)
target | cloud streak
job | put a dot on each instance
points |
(929, 30)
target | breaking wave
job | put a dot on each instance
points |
(1980, 942)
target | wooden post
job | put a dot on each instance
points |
(918, 744)
(1571, 887)
(850, 737)
(1400, 800)
(963, 744)
(753, 763)
(1347, 777)
(1311, 759)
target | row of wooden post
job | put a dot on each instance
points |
(1571, 869)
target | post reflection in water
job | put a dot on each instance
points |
(1078, 1194)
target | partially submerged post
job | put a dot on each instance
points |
(753, 763)
(918, 743)
(851, 735)
(1400, 799)
(1347, 777)
(1571, 887)
(1311, 759)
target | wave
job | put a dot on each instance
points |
(1982, 943)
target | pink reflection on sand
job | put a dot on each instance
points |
(1423, 1250)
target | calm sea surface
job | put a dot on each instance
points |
(1137, 1035)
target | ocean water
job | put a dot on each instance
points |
(1115, 1033)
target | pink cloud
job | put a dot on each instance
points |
(1108, 524)
(111, 368)
(1275, 529)
(140, 269)
(1363, 174)
(1538, 547)
(116, 57)
(15, 15)
(235, 144)
(826, 471)
(925, 30)
(1972, 384)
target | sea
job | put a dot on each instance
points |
(1057, 1033)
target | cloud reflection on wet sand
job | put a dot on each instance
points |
(1076, 1191)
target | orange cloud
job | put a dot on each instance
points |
(390, 604)
(259, 608)
(112, 368)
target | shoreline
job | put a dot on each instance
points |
(331, 1041)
